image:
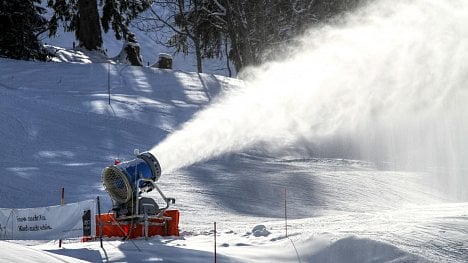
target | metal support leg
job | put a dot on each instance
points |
(146, 223)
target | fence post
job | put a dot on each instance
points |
(215, 242)
(100, 222)
(108, 82)
(62, 202)
(285, 211)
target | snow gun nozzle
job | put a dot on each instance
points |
(123, 180)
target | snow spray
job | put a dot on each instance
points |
(387, 83)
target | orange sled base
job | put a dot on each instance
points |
(168, 225)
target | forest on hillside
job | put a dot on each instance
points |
(243, 31)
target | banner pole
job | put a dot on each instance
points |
(12, 215)
(62, 202)
(100, 223)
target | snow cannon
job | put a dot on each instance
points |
(135, 212)
(122, 179)
(125, 182)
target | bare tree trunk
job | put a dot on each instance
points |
(89, 29)
(196, 42)
(245, 37)
(235, 56)
(196, 39)
(226, 50)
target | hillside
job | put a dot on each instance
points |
(59, 128)
(59, 131)
(358, 137)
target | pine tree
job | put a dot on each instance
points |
(186, 26)
(79, 16)
(258, 29)
(21, 22)
(82, 17)
(197, 28)
(117, 14)
(89, 31)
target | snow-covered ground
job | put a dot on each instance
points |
(58, 130)
(303, 134)
(62, 46)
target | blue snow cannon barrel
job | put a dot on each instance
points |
(120, 180)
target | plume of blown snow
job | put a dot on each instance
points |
(389, 84)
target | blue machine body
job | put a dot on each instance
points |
(120, 180)
(136, 169)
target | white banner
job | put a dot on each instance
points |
(49, 223)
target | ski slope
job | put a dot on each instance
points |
(358, 137)
(58, 130)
